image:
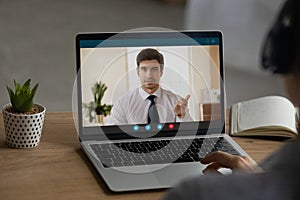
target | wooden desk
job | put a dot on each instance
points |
(58, 169)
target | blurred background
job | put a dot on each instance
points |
(37, 40)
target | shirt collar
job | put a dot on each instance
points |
(144, 94)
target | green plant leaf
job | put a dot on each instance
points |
(99, 89)
(22, 98)
(33, 91)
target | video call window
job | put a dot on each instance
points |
(188, 70)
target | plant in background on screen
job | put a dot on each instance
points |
(97, 106)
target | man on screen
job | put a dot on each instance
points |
(150, 103)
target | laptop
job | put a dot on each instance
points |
(134, 154)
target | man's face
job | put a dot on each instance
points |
(149, 72)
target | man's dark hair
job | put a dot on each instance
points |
(150, 54)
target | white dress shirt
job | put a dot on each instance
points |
(132, 108)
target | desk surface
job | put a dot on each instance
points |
(58, 169)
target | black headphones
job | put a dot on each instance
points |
(278, 50)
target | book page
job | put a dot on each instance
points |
(266, 111)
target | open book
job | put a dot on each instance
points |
(265, 116)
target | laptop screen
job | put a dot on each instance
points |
(117, 72)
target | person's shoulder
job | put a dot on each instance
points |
(281, 159)
(128, 95)
(206, 187)
(235, 186)
(170, 93)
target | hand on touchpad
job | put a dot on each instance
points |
(225, 171)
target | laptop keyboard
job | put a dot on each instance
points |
(159, 152)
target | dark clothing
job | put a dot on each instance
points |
(281, 180)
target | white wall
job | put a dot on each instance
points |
(108, 65)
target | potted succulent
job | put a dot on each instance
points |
(23, 120)
(101, 110)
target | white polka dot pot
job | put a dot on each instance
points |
(23, 130)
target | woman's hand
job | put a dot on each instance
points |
(219, 159)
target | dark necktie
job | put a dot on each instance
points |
(153, 116)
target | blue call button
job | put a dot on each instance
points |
(136, 128)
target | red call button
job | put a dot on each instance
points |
(171, 126)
